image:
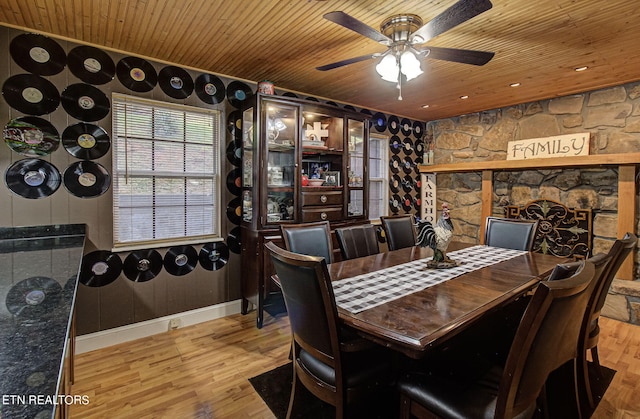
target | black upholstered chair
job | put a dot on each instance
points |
(321, 361)
(541, 345)
(313, 239)
(399, 230)
(357, 241)
(510, 233)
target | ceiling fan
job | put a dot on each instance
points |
(403, 35)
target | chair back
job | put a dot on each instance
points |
(357, 241)
(308, 296)
(510, 233)
(546, 338)
(313, 239)
(399, 230)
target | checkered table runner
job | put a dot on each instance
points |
(372, 289)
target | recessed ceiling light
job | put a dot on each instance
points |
(464, 97)
(514, 84)
(581, 68)
(425, 106)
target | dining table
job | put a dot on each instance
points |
(394, 299)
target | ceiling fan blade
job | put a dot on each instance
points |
(464, 56)
(460, 12)
(346, 62)
(349, 22)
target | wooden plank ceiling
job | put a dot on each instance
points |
(537, 43)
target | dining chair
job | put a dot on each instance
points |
(510, 233)
(322, 363)
(357, 241)
(313, 239)
(400, 231)
(541, 345)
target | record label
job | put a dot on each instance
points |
(31, 94)
(85, 102)
(180, 260)
(86, 179)
(86, 141)
(32, 178)
(209, 89)
(214, 256)
(31, 136)
(142, 265)
(136, 74)
(38, 54)
(91, 65)
(100, 268)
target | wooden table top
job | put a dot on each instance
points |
(419, 321)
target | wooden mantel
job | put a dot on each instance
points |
(626, 184)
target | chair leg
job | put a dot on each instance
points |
(596, 361)
(405, 407)
(584, 383)
(296, 386)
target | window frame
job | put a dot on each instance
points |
(384, 170)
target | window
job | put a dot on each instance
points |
(378, 176)
(166, 181)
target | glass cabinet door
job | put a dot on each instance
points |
(280, 129)
(248, 151)
(356, 149)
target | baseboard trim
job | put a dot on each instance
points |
(110, 337)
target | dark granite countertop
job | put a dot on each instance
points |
(38, 278)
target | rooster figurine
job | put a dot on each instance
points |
(437, 238)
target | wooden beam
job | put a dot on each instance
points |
(487, 200)
(626, 213)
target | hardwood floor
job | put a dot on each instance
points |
(202, 371)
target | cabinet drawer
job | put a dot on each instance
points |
(322, 198)
(321, 214)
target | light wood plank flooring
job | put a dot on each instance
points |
(202, 371)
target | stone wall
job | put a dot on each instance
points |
(611, 116)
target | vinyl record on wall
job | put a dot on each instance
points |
(234, 153)
(382, 238)
(408, 165)
(234, 211)
(350, 108)
(86, 141)
(289, 94)
(394, 203)
(209, 88)
(417, 184)
(86, 179)
(142, 265)
(136, 74)
(180, 260)
(234, 181)
(419, 147)
(214, 256)
(416, 203)
(31, 94)
(407, 184)
(85, 102)
(33, 178)
(100, 268)
(395, 163)
(91, 65)
(394, 183)
(38, 54)
(234, 124)
(405, 127)
(233, 240)
(407, 146)
(407, 202)
(379, 122)
(394, 124)
(418, 129)
(238, 93)
(395, 144)
(31, 136)
(34, 297)
(175, 82)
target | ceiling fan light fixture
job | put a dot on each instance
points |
(388, 68)
(410, 65)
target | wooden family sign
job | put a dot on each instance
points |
(568, 145)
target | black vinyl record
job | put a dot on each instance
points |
(85, 102)
(214, 256)
(379, 121)
(180, 260)
(418, 129)
(289, 94)
(408, 165)
(38, 54)
(407, 202)
(394, 203)
(394, 124)
(234, 124)
(405, 126)
(234, 210)
(234, 181)
(31, 94)
(86, 179)
(175, 82)
(419, 147)
(100, 268)
(407, 146)
(33, 178)
(394, 183)
(350, 108)
(416, 203)
(91, 65)
(31, 136)
(142, 265)
(136, 74)
(395, 144)
(209, 88)
(234, 153)
(233, 240)
(407, 184)
(238, 93)
(86, 141)
(382, 238)
(34, 297)
(417, 184)
(395, 163)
